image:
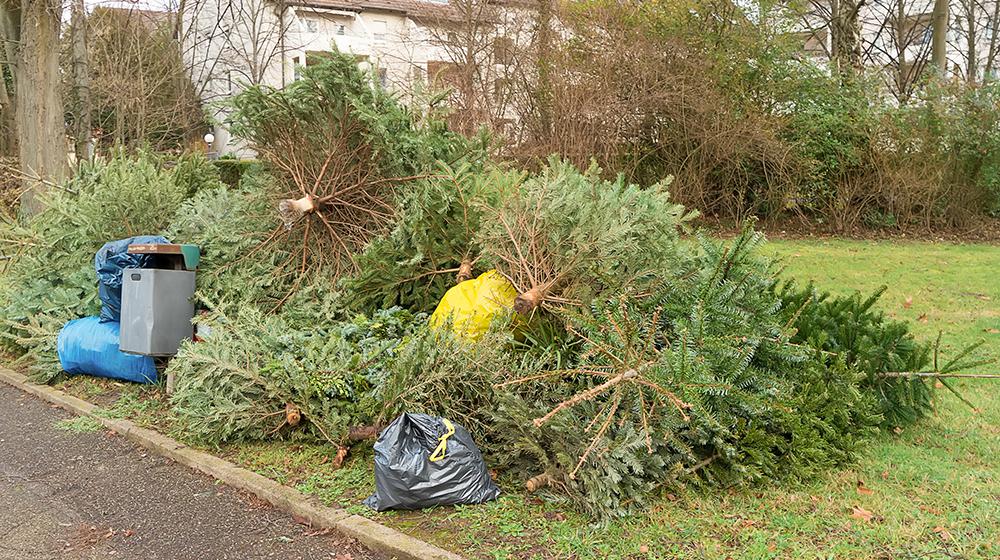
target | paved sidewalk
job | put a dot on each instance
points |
(66, 495)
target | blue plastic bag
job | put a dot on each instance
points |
(89, 346)
(109, 262)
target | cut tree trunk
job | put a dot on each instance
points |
(464, 271)
(293, 415)
(40, 124)
(528, 301)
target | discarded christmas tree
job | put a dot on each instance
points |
(565, 237)
(433, 244)
(336, 144)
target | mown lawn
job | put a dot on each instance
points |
(930, 491)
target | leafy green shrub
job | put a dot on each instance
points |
(194, 173)
(833, 128)
(944, 156)
(232, 170)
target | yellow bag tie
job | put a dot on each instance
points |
(443, 445)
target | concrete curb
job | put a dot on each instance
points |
(374, 535)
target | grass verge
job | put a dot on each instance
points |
(932, 491)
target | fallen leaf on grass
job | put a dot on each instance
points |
(938, 385)
(992, 331)
(555, 516)
(643, 549)
(859, 512)
(922, 318)
(885, 475)
(908, 302)
(943, 533)
(864, 490)
(316, 532)
(930, 510)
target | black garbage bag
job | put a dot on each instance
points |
(423, 461)
(109, 262)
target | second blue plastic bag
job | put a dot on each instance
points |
(90, 347)
(109, 262)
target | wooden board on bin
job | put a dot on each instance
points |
(155, 249)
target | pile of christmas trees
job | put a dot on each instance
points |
(632, 359)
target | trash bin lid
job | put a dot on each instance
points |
(190, 253)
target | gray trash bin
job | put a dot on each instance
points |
(157, 309)
(157, 299)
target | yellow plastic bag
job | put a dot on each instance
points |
(473, 304)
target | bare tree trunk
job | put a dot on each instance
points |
(939, 37)
(991, 55)
(81, 83)
(903, 72)
(971, 41)
(845, 36)
(543, 91)
(41, 129)
(10, 20)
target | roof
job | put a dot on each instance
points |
(417, 9)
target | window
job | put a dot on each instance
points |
(500, 87)
(503, 51)
(312, 26)
(298, 63)
(341, 30)
(380, 29)
(917, 30)
(814, 42)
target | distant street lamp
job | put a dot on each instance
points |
(210, 142)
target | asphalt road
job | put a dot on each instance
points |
(66, 495)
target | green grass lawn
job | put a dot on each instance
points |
(936, 287)
(930, 491)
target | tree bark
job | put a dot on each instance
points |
(845, 36)
(40, 124)
(939, 37)
(81, 84)
(543, 89)
(991, 53)
(10, 21)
